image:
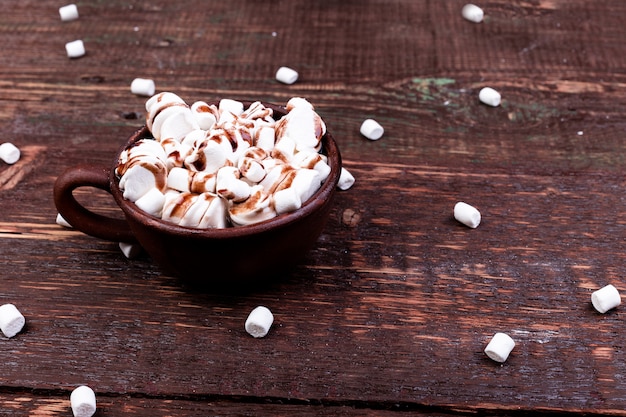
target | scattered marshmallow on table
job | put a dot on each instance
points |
(11, 320)
(259, 322)
(83, 401)
(130, 250)
(142, 87)
(9, 153)
(371, 129)
(499, 347)
(346, 180)
(490, 97)
(286, 75)
(69, 12)
(62, 222)
(606, 298)
(473, 13)
(75, 49)
(466, 214)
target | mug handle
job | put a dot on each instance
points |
(81, 218)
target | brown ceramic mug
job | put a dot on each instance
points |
(206, 257)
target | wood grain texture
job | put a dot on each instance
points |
(44, 405)
(389, 314)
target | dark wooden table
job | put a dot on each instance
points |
(390, 313)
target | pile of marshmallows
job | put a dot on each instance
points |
(216, 166)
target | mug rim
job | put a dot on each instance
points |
(317, 201)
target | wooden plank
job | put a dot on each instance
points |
(378, 317)
(391, 311)
(22, 404)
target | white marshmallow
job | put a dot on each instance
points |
(282, 175)
(302, 124)
(257, 208)
(286, 200)
(346, 180)
(226, 117)
(175, 207)
(241, 145)
(218, 151)
(323, 169)
(75, 49)
(202, 182)
(259, 322)
(141, 178)
(257, 110)
(312, 160)
(206, 211)
(265, 138)
(195, 137)
(196, 211)
(170, 199)
(204, 114)
(62, 222)
(142, 87)
(298, 102)
(472, 13)
(227, 105)
(306, 159)
(490, 97)
(606, 298)
(83, 401)
(141, 148)
(209, 156)
(11, 320)
(69, 12)
(9, 153)
(286, 145)
(156, 119)
(151, 202)
(466, 214)
(130, 250)
(255, 153)
(176, 152)
(178, 179)
(286, 75)
(371, 129)
(177, 125)
(269, 164)
(284, 149)
(500, 347)
(149, 161)
(158, 102)
(306, 183)
(275, 175)
(252, 170)
(235, 190)
(216, 215)
(229, 186)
